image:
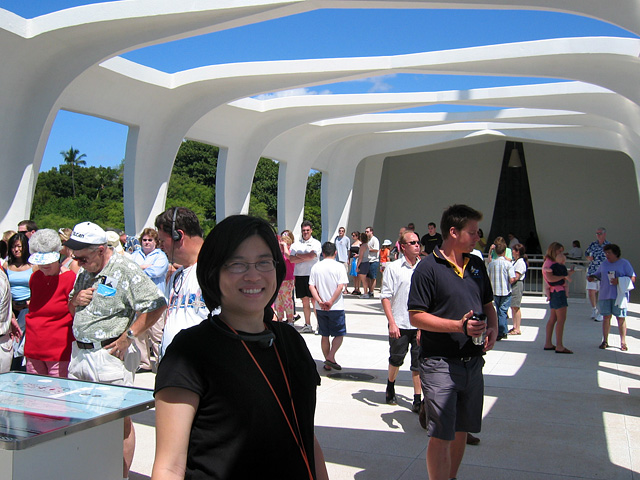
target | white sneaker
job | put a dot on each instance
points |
(598, 318)
(306, 329)
(366, 295)
(594, 313)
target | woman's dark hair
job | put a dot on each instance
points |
(24, 241)
(518, 247)
(220, 245)
(613, 248)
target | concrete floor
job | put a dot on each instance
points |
(546, 416)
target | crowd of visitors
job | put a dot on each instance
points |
(102, 306)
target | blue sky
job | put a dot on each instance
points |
(320, 34)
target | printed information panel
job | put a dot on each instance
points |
(36, 408)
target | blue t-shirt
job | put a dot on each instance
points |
(621, 268)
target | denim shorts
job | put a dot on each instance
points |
(558, 300)
(608, 307)
(373, 270)
(331, 323)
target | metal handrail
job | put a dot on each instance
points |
(534, 282)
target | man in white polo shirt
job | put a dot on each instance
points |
(304, 254)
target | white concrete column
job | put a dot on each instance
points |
(292, 186)
(148, 162)
(337, 182)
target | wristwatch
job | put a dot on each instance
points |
(130, 335)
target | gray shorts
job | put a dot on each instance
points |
(517, 289)
(453, 395)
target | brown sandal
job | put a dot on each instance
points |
(623, 347)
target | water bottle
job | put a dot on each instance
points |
(479, 340)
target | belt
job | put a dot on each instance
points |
(460, 359)
(95, 345)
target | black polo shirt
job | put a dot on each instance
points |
(439, 289)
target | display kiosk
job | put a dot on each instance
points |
(58, 428)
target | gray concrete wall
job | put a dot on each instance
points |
(574, 191)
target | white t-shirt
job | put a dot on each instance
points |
(520, 267)
(396, 283)
(186, 307)
(326, 276)
(303, 269)
(374, 244)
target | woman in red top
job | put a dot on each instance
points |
(48, 323)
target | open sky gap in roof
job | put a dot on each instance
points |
(356, 33)
(330, 33)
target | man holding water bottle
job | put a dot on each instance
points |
(447, 289)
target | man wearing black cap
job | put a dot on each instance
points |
(108, 295)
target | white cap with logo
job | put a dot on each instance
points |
(86, 234)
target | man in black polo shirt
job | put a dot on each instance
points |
(447, 288)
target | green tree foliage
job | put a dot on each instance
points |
(193, 181)
(312, 210)
(264, 191)
(98, 197)
(74, 160)
(197, 161)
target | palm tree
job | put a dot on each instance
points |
(72, 158)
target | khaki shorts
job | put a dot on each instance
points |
(98, 365)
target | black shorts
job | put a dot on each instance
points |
(302, 286)
(398, 348)
(363, 269)
(453, 395)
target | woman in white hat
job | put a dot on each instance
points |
(48, 323)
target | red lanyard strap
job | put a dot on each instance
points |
(297, 437)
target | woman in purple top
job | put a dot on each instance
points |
(616, 277)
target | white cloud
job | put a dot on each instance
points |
(294, 92)
(379, 84)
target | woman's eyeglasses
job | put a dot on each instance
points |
(241, 267)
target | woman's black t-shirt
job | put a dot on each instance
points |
(239, 430)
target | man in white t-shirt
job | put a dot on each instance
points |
(180, 235)
(374, 262)
(304, 254)
(326, 281)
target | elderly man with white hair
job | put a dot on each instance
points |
(113, 302)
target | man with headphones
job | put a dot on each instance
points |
(181, 238)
